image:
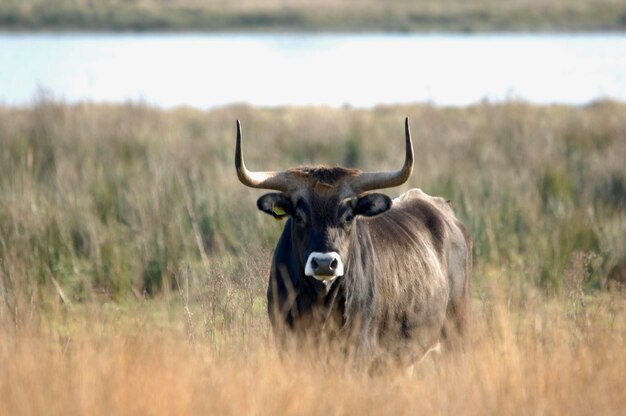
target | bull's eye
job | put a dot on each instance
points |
(299, 218)
(348, 219)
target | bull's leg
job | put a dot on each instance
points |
(459, 312)
(456, 327)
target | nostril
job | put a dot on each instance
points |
(334, 264)
(314, 264)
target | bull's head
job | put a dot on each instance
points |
(323, 205)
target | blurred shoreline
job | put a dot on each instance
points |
(341, 70)
(321, 16)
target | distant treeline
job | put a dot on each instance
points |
(307, 15)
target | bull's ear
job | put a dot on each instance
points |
(275, 204)
(372, 204)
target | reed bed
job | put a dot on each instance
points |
(133, 264)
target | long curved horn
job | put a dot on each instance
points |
(368, 181)
(265, 180)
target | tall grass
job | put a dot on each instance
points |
(334, 15)
(118, 202)
(538, 359)
(133, 264)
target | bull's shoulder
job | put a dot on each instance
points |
(435, 212)
(411, 194)
(414, 219)
(416, 195)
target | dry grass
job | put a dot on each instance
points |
(540, 359)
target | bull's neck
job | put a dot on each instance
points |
(320, 291)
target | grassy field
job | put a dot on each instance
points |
(133, 264)
(326, 15)
(534, 359)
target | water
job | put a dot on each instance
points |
(208, 70)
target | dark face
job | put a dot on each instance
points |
(321, 226)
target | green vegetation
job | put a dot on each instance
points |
(323, 15)
(112, 203)
(133, 263)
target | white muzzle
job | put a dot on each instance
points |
(324, 266)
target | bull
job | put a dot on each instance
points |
(390, 276)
